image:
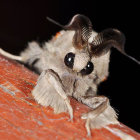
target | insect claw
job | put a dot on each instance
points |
(87, 126)
(70, 110)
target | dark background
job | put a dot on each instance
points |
(24, 21)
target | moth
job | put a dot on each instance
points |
(73, 63)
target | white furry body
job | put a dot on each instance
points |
(51, 56)
(57, 81)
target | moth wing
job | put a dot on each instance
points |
(31, 53)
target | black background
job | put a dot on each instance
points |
(24, 21)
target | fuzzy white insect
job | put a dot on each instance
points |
(73, 64)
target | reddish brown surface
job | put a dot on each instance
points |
(22, 118)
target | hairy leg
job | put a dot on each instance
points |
(50, 91)
(101, 114)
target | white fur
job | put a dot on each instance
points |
(51, 56)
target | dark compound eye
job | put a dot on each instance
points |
(69, 60)
(88, 69)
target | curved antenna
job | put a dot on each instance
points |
(106, 39)
(82, 27)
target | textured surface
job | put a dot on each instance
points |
(22, 118)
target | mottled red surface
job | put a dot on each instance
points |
(22, 118)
